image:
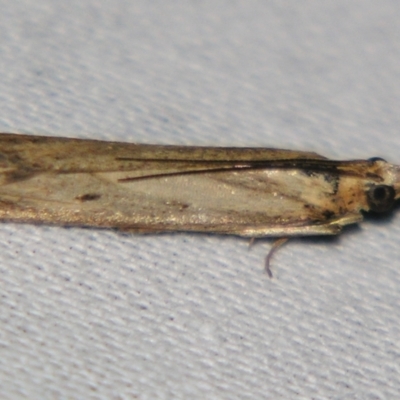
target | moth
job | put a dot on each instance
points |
(250, 192)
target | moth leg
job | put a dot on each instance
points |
(332, 228)
(348, 219)
(251, 242)
(283, 231)
(275, 246)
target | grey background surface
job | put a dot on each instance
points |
(88, 314)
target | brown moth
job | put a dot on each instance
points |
(251, 192)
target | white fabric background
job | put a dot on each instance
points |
(89, 314)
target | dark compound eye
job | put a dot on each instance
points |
(373, 159)
(381, 198)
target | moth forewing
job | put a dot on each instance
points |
(148, 188)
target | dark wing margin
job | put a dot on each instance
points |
(187, 167)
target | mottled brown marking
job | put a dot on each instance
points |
(328, 214)
(19, 175)
(177, 204)
(89, 197)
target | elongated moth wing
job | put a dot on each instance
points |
(150, 188)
